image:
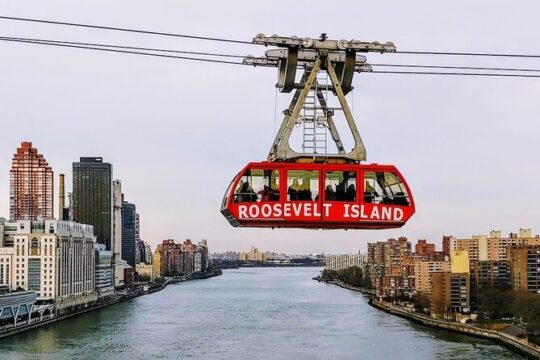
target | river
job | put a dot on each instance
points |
(258, 313)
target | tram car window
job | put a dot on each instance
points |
(385, 188)
(340, 186)
(302, 185)
(258, 185)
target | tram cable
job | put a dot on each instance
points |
(152, 52)
(198, 37)
(122, 47)
(456, 67)
(125, 51)
(147, 32)
(450, 73)
(449, 53)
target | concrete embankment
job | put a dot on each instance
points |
(521, 346)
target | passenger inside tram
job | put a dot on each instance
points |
(258, 185)
(351, 193)
(247, 193)
(344, 183)
(370, 194)
(268, 194)
(385, 188)
(294, 190)
(330, 193)
(304, 193)
(303, 185)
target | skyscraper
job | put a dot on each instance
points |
(129, 241)
(31, 185)
(92, 196)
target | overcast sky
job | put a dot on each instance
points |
(177, 132)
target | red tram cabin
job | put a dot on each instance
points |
(318, 196)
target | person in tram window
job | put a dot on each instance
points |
(246, 193)
(340, 190)
(238, 193)
(351, 193)
(294, 190)
(330, 193)
(304, 192)
(267, 193)
(369, 193)
(401, 199)
(251, 195)
(273, 193)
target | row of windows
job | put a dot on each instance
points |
(260, 185)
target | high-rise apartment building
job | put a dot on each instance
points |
(450, 293)
(145, 252)
(129, 241)
(525, 266)
(116, 245)
(189, 251)
(422, 273)
(493, 247)
(92, 197)
(172, 259)
(424, 249)
(391, 267)
(31, 185)
(489, 274)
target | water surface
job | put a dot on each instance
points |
(260, 313)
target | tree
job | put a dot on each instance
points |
(421, 302)
(527, 307)
(495, 303)
(351, 276)
(329, 275)
(366, 282)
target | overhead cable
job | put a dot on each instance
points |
(129, 50)
(466, 54)
(122, 47)
(450, 73)
(101, 27)
(124, 51)
(456, 67)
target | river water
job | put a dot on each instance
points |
(259, 313)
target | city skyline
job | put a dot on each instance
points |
(476, 143)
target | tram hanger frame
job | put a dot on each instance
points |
(339, 59)
(281, 149)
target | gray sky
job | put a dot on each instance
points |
(177, 131)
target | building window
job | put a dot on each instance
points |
(34, 247)
(34, 274)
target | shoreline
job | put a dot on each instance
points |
(519, 346)
(28, 327)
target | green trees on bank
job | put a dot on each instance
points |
(495, 304)
(352, 276)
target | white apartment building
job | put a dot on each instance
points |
(54, 258)
(340, 262)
